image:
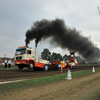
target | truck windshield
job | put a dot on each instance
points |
(20, 51)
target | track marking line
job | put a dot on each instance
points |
(11, 81)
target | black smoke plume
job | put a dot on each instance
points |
(63, 36)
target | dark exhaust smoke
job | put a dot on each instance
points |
(63, 36)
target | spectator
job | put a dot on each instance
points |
(9, 63)
(5, 63)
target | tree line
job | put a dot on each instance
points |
(46, 54)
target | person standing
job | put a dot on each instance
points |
(9, 63)
(5, 63)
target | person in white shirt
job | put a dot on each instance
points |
(9, 63)
(5, 63)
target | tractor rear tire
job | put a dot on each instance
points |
(74, 67)
(69, 67)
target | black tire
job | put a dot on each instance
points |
(45, 68)
(74, 67)
(57, 67)
(20, 67)
(31, 65)
(69, 67)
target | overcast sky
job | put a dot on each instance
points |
(17, 16)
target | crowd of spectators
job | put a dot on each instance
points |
(8, 61)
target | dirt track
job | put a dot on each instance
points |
(16, 74)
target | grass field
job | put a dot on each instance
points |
(36, 82)
(83, 84)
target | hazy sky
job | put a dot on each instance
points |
(17, 16)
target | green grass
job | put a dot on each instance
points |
(36, 82)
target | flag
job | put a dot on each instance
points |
(5, 55)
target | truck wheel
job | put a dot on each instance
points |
(20, 67)
(30, 65)
(45, 68)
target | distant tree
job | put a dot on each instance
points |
(65, 57)
(59, 56)
(53, 56)
(56, 56)
(46, 54)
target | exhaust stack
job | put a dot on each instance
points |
(72, 56)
